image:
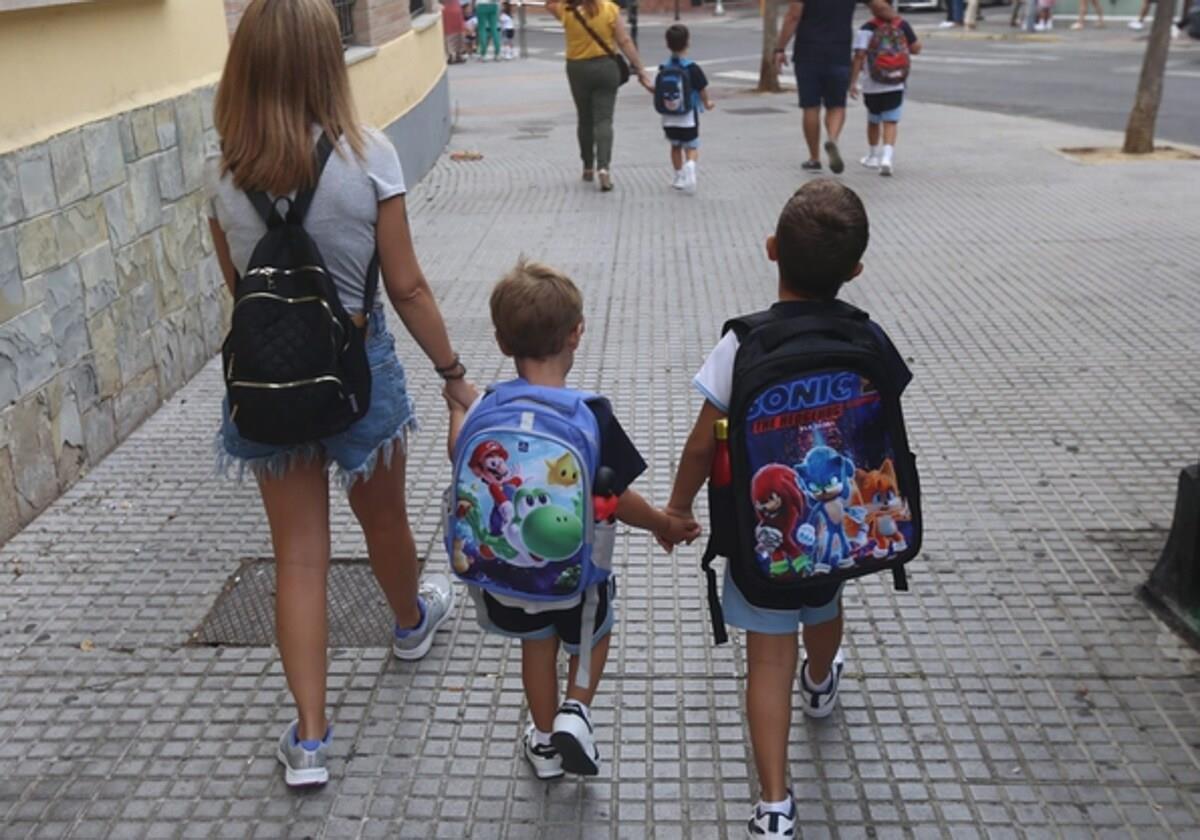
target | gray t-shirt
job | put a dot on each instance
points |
(341, 219)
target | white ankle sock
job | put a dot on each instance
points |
(540, 738)
(781, 807)
(825, 683)
(877, 151)
(888, 151)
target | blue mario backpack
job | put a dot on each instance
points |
(520, 515)
(673, 94)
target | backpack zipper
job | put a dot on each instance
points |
(282, 299)
(275, 386)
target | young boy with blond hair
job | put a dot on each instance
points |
(538, 316)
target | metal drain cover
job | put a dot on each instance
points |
(756, 111)
(244, 614)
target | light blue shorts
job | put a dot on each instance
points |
(355, 452)
(686, 144)
(892, 116)
(742, 614)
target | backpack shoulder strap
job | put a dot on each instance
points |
(744, 324)
(303, 200)
(298, 206)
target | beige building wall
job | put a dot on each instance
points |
(110, 295)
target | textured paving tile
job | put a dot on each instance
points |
(1020, 689)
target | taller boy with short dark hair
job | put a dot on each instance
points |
(818, 242)
(538, 315)
(681, 123)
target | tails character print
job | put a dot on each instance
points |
(885, 507)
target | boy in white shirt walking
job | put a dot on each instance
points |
(885, 49)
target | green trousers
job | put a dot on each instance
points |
(487, 26)
(594, 83)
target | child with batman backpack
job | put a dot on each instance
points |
(821, 487)
(680, 91)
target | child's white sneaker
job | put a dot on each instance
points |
(574, 740)
(871, 161)
(543, 758)
(773, 824)
(680, 180)
(689, 177)
(819, 701)
(886, 161)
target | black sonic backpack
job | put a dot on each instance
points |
(824, 487)
(295, 361)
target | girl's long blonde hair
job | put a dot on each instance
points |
(285, 73)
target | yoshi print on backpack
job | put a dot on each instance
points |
(519, 517)
(824, 487)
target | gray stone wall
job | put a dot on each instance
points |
(110, 294)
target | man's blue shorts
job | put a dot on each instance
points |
(822, 84)
(742, 614)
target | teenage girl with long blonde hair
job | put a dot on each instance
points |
(285, 83)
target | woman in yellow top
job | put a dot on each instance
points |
(594, 77)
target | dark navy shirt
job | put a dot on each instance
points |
(825, 32)
(617, 451)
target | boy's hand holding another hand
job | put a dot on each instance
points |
(681, 527)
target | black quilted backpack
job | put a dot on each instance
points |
(295, 362)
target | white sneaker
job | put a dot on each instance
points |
(1039, 27)
(886, 165)
(574, 740)
(545, 760)
(304, 764)
(689, 178)
(772, 824)
(820, 704)
(679, 181)
(947, 24)
(871, 161)
(1136, 25)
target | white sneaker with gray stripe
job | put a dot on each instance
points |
(436, 597)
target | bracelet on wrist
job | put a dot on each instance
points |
(450, 367)
(454, 375)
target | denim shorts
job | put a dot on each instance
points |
(686, 144)
(515, 623)
(884, 107)
(819, 84)
(355, 452)
(742, 614)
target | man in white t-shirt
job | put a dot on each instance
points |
(884, 99)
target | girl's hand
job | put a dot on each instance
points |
(460, 393)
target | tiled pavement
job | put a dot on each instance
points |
(1048, 310)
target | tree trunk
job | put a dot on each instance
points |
(1139, 131)
(768, 71)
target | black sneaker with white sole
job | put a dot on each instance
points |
(575, 740)
(811, 166)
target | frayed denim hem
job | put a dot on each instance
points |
(270, 466)
(345, 478)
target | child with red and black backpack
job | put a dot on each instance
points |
(885, 48)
